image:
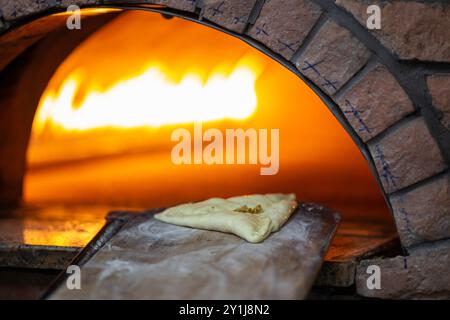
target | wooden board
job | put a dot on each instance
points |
(149, 259)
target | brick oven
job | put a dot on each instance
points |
(387, 88)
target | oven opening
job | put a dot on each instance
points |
(102, 130)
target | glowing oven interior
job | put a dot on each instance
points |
(102, 131)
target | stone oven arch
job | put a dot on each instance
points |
(388, 87)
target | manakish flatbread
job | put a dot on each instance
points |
(251, 217)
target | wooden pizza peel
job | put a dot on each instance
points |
(140, 257)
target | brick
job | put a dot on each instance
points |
(231, 14)
(424, 274)
(423, 214)
(374, 103)
(282, 25)
(333, 57)
(406, 155)
(66, 3)
(438, 86)
(410, 29)
(20, 8)
(156, 2)
(186, 5)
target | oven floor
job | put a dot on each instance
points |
(44, 240)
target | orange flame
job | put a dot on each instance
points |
(152, 99)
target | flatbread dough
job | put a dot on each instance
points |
(251, 217)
